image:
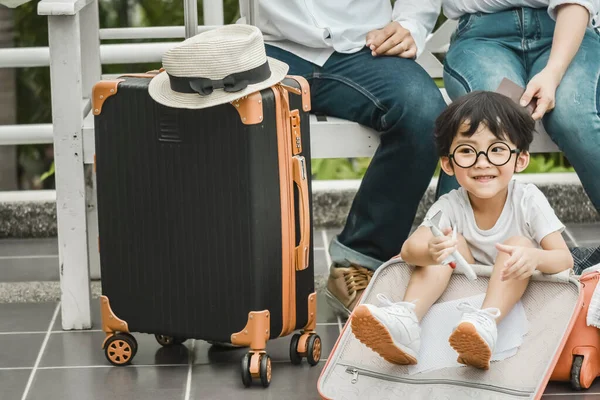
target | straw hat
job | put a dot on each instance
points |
(216, 67)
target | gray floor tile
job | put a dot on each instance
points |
(588, 243)
(331, 233)
(20, 350)
(144, 383)
(13, 382)
(317, 238)
(324, 311)
(562, 390)
(567, 237)
(27, 269)
(26, 317)
(85, 349)
(289, 382)
(28, 247)
(321, 266)
(589, 233)
(278, 349)
(96, 319)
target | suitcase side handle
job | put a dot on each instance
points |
(300, 178)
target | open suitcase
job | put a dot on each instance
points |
(205, 221)
(552, 305)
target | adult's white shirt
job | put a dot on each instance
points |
(314, 29)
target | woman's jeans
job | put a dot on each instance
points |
(396, 97)
(516, 44)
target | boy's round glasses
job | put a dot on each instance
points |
(498, 154)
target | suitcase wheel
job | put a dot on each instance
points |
(246, 376)
(576, 372)
(295, 357)
(264, 371)
(313, 355)
(165, 340)
(120, 349)
(312, 346)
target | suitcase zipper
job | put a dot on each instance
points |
(356, 371)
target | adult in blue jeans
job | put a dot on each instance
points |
(328, 43)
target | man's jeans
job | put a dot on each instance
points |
(397, 98)
(516, 44)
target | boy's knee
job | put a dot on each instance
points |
(519, 241)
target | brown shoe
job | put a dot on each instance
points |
(345, 286)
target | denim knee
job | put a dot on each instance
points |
(574, 126)
(412, 114)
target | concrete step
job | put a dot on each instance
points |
(34, 259)
(40, 292)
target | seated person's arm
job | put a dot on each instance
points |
(411, 22)
(571, 23)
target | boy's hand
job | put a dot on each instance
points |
(521, 264)
(442, 246)
(392, 40)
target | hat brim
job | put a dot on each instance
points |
(160, 90)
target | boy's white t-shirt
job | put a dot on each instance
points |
(526, 213)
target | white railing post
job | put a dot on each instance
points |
(89, 28)
(91, 73)
(67, 114)
(213, 12)
(190, 13)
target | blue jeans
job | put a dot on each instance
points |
(397, 98)
(516, 44)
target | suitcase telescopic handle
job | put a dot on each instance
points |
(301, 180)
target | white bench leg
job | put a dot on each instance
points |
(67, 111)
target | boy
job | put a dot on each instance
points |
(484, 139)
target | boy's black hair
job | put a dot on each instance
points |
(503, 117)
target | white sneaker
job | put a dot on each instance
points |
(391, 330)
(475, 336)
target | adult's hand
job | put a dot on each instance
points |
(392, 40)
(542, 87)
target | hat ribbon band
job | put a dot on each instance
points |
(231, 83)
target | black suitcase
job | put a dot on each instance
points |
(205, 221)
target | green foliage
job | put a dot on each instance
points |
(48, 173)
(339, 168)
(168, 12)
(33, 84)
(555, 162)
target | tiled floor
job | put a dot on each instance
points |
(40, 361)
